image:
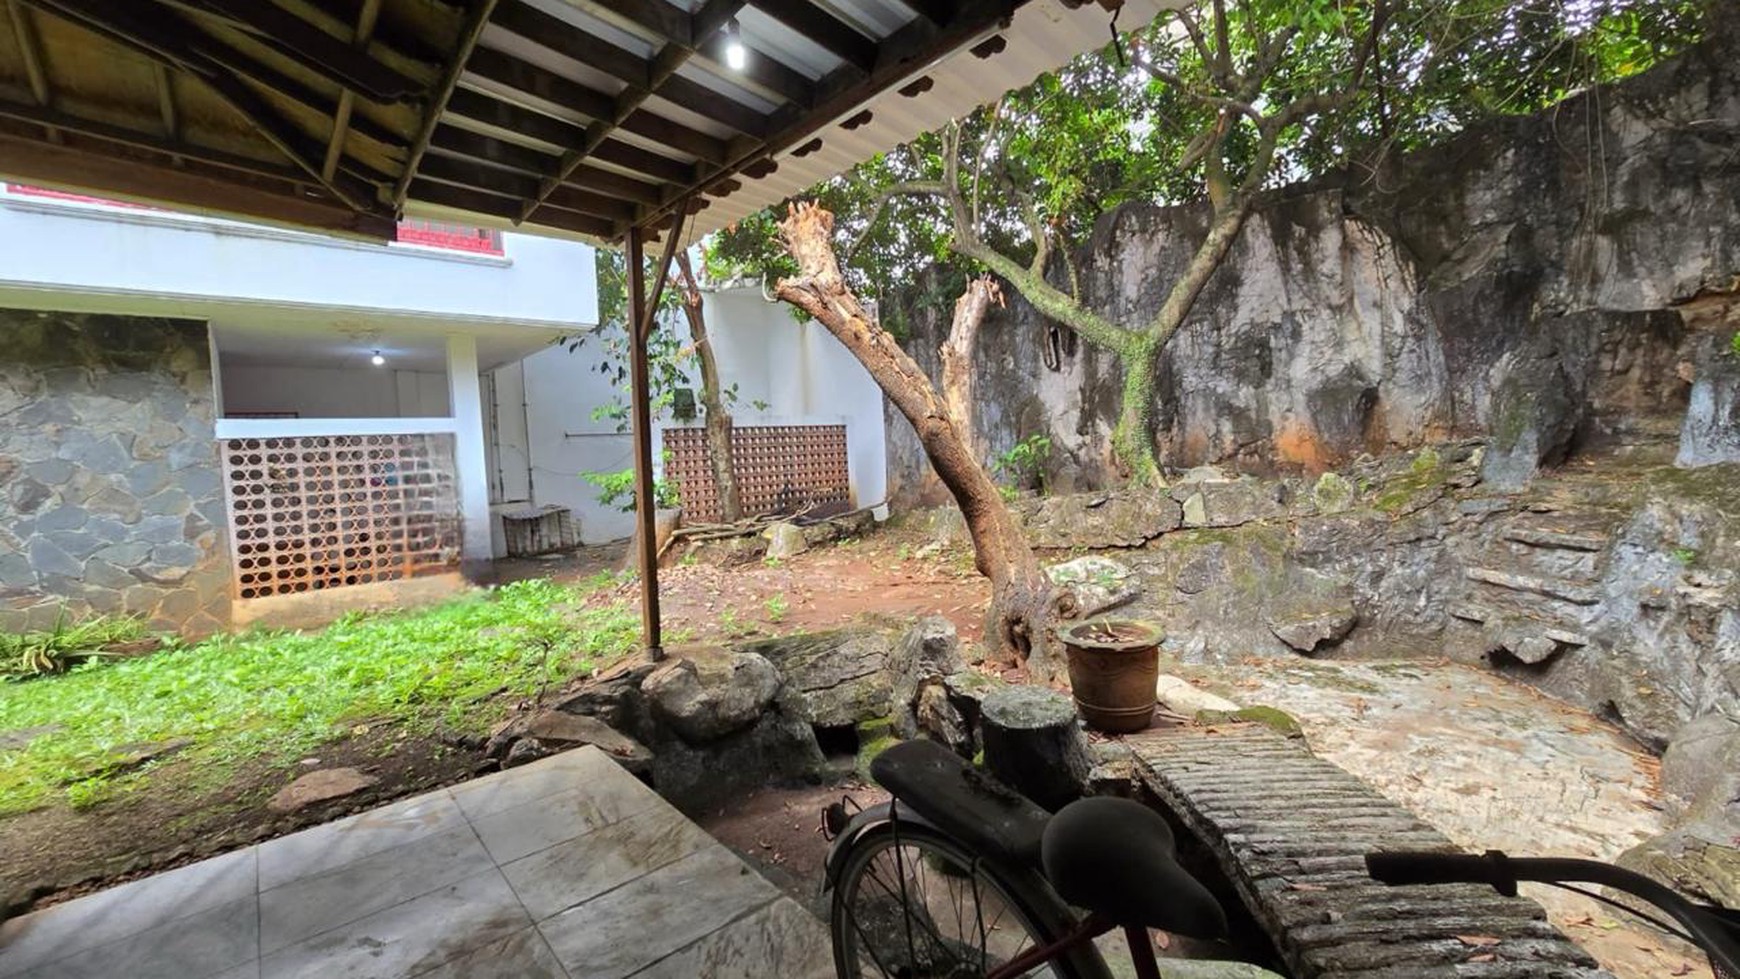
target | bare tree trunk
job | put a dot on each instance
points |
(957, 358)
(1024, 605)
(718, 420)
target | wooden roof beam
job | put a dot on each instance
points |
(898, 56)
(609, 113)
(30, 51)
(469, 35)
(342, 63)
(68, 123)
(507, 117)
(162, 42)
(838, 37)
(464, 143)
(671, 26)
(709, 17)
(481, 202)
(526, 21)
(70, 166)
(365, 28)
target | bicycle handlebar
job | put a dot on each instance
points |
(1717, 931)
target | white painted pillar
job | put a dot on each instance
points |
(466, 397)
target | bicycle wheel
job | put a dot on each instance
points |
(915, 904)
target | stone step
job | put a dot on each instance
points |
(1555, 588)
(1294, 843)
(1541, 537)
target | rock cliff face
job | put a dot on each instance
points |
(1551, 282)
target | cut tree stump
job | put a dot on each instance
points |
(1034, 745)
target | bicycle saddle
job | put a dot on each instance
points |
(1114, 857)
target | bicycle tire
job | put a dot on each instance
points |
(1044, 917)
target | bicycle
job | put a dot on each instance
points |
(954, 847)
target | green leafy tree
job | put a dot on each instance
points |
(1214, 103)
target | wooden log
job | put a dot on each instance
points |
(1034, 744)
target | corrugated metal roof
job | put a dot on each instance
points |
(1044, 36)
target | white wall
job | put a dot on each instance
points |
(555, 428)
(320, 392)
(803, 374)
(134, 257)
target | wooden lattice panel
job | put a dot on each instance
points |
(327, 511)
(779, 469)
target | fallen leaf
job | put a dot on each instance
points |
(1483, 957)
(1478, 941)
(1162, 941)
(1683, 969)
(1292, 886)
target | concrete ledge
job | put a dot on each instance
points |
(310, 610)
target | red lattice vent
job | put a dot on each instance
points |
(326, 511)
(779, 469)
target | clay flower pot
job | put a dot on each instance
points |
(1113, 667)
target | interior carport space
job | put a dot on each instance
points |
(323, 368)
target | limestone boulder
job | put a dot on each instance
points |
(709, 694)
(1312, 610)
(1700, 770)
(1097, 584)
(785, 541)
(560, 731)
(1229, 503)
(839, 677)
(1126, 518)
(779, 746)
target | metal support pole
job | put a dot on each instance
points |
(641, 396)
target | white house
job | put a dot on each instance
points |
(208, 422)
(207, 419)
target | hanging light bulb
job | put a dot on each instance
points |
(378, 360)
(736, 55)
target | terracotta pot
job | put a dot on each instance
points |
(1113, 667)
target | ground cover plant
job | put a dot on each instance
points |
(260, 693)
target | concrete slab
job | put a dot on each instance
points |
(564, 868)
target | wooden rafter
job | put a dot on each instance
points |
(162, 43)
(841, 39)
(510, 118)
(314, 49)
(70, 166)
(518, 17)
(900, 54)
(30, 50)
(365, 29)
(475, 21)
(702, 23)
(123, 136)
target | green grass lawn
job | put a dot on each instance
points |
(281, 693)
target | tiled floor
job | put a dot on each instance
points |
(564, 868)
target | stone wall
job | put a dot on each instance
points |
(1556, 281)
(111, 497)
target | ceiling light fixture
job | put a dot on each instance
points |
(378, 360)
(736, 55)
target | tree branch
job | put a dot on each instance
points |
(909, 188)
(1045, 297)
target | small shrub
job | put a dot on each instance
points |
(777, 606)
(1684, 555)
(770, 561)
(1024, 462)
(903, 552)
(65, 646)
(616, 489)
(1734, 344)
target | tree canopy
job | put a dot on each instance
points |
(1119, 125)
